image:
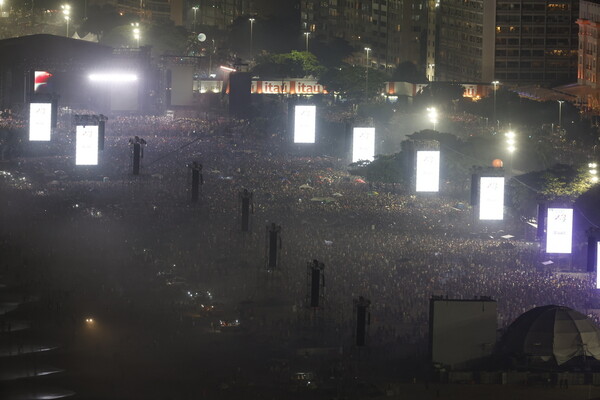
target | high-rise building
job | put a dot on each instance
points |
(515, 42)
(217, 13)
(589, 32)
(393, 30)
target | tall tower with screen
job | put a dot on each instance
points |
(428, 171)
(304, 124)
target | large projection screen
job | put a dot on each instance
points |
(491, 198)
(40, 121)
(363, 144)
(428, 171)
(559, 230)
(304, 124)
(597, 265)
(86, 145)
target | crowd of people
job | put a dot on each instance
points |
(389, 246)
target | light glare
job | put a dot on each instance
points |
(113, 77)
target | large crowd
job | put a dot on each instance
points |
(384, 244)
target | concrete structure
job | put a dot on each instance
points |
(394, 30)
(513, 42)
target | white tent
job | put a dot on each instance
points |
(553, 332)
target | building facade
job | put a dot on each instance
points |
(514, 42)
(589, 29)
(393, 30)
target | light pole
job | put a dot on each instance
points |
(135, 26)
(195, 8)
(67, 14)
(251, 36)
(496, 122)
(1, 8)
(307, 34)
(560, 103)
(367, 49)
(510, 141)
(433, 116)
(593, 172)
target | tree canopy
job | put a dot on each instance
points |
(296, 64)
(351, 82)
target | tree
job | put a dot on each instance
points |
(296, 64)
(350, 82)
(331, 54)
(408, 72)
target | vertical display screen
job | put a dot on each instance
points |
(304, 124)
(597, 265)
(363, 144)
(86, 145)
(428, 171)
(559, 230)
(40, 121)
(491, 198)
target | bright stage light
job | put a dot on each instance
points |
(428, 171)
(113, 77)
(491, 198)
(559, 230)
(40, 121)
(363, 144)
(86, 145)
(304, 124)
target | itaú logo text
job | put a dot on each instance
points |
(287, 87)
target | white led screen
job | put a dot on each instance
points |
(86, 145)
(559, 229)
(304, 124)
(597, 265)
(363, 144)
(40, 121)
(428, 171)
(491, 198)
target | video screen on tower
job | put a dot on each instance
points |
(597, 264)
(40, 121)
(428, 171)
(304, 124)
(86, 145)
(363, 144)
(491, 198)
(559, 230)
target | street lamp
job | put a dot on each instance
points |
(307, 34)
(195, 8)
(432, 115)
(496, 122)
(67, 14)
(560, 103)
(367, 49)
(251, 35)
(136, 32)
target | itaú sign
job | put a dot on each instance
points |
(303, 86)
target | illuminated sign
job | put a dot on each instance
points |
(597, 265)
(86, 145)
(491, 198)
(428, 171)
(304, 124)
(40, 121)
(287, 87)
(363, 144)
(559, 230)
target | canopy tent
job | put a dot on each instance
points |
(552, 332)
